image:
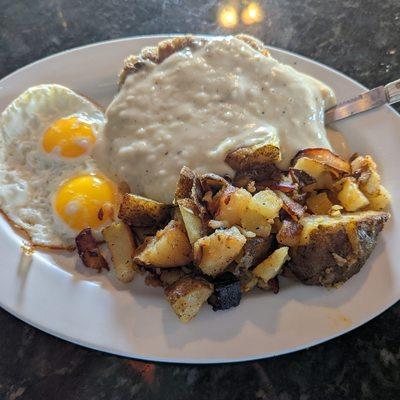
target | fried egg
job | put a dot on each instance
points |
(49, 184)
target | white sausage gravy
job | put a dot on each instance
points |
(198, 105)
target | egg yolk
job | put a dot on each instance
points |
(69, 137)
(86, 201)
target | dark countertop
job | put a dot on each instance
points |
(358, 37)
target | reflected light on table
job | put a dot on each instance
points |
(252, 14)
(228, 16)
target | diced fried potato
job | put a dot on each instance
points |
(293, 208)
(311, 167)
(332, 249)
(213, 182)
(247, 281)
(289, 233)
(89, 252)
(185, 183)
(170, 276)
(231, 205)
(372, 185)
(141, 233)
(254, 251)
(272, 265)
(319, 203)
(192, 222)
(361, 163)
(317, 171)
(365, 171)
(252, 221)
(187, 295)
(266, 203)
(351, 197)
(380, 200)
(252, 156)
(168, 249)
(177, 215)
(120, 241)
(215, 252)
(139, 211)
(329, 160)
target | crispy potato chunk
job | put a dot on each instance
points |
(319, 203)
(139, 211)
(329, 160)
(187, 295)
(289, 233)
(191, 221)
(169, 248)
(361, 164)
(185, 183)
(253, 156)
(272, 265)
(371, 185)
(215, 252)
(332, 249)
(232, 204)
(254, 251)
(319, 172)
(89, 252)
(141, 233)
(254, 222)
(266, 203)
(293, 208)
(379, 200)
(351, 197)
(120, 241)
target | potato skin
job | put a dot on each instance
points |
(185, 183)
(250, 157)
(139, 211)
(336, 251)
(254, 251)
(122, 247)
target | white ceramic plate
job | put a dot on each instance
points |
(56, 294)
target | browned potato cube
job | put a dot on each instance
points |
(253, 156)
(332, 249)
(185, 183)
(254, 251)
(272, 265)
(318, 171)
(191, 220)
(254, 222)
(319, 203)
(120, 241)
(169, 248)
(232, 203)
(351, 197)
(187, 295)
(379, 200)
(266, 203)
(289, 233)
(215, 252)
(139, 211)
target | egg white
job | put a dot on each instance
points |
(29, 177)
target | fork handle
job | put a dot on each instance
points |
(392, 90)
